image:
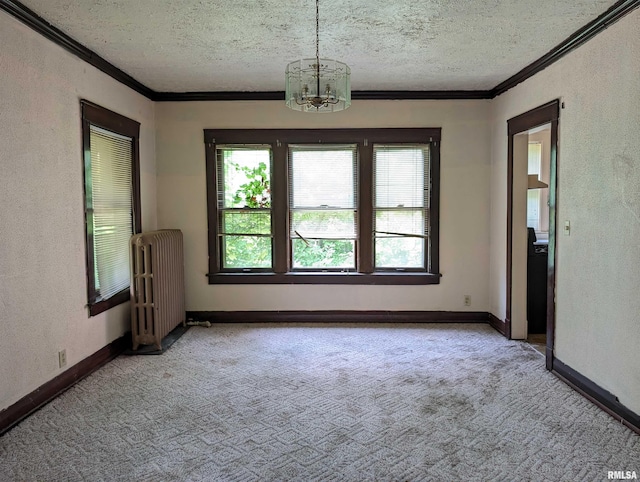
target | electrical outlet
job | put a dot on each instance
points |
(62, 358)
(467, 300)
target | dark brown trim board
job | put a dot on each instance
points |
(581, 36)
(499, 325)
(355, 95)
(596, 394)
(24, 407)
(552, 256)
(293, 136)
(58, 37)
(546, 114)
(336, 316)
(217, 96)
(317, 278)
(44, 28)
(420, 94)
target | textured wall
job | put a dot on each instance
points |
(598, 307)
(464, 201)
(42, 271)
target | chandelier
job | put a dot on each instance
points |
(318, 85)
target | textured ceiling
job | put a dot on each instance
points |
(244, 45)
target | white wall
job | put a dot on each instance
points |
(464, 225)
(598, 280)
(42, 240)
(520, 237)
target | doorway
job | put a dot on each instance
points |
(533, 124)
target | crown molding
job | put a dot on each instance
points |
(219, 96)
(420, 94)
(355, 95)
(578, 38)
(40, 25)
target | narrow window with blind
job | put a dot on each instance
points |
(323, 206)
(401, 208)
(112, 204)
(244, 207)
(533, 195)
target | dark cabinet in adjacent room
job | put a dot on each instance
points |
(536, 285)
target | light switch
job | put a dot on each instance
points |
(567, 228)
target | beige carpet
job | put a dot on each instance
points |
(323, 402)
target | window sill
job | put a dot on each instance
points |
(326, 278)
(103, 305)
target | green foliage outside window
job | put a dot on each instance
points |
(399, 252)
(256, 252)
(254, 194)
(248, 193)
(247, 252)
(323, 253)
(316, 252)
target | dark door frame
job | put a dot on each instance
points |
(546, 114)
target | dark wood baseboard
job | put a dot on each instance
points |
(596, 394)
(24, 407)
(507, 328)
(340, 316)
(499, 325)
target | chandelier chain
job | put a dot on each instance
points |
(315, 87)
(317, 33)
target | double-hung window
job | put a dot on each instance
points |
(401, 209)
(537, 199)
(244, 201)
(323, 206)
(344, 206)
(533, 195)
(112, 203)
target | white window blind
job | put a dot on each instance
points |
(323, 205)
(401, 205)
(534, 195)
(112, 210)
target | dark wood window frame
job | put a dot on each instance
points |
(94, 115)
(279, 140)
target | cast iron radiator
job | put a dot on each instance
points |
(157, 286)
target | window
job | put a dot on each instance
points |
(323, 201)
(401, 205)
(112, 203)
(346, 206)
(537, 212)
(244, 180)
(533, 195)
